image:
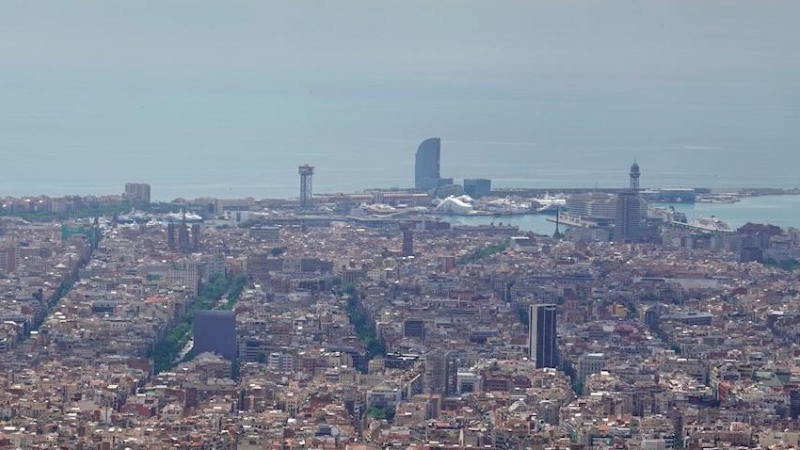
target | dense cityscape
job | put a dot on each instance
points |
(365, 320)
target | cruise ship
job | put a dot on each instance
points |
(550, 204)
(712, 224)
(184, 215)
(717, 198)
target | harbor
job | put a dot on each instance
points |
(780, 210)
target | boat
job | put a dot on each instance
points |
(133, 217)
(505, 206)
(550, 204)
(711, 224)
(188, 216)
(666, 214)
(717, 198)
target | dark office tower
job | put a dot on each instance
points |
(414, 328)
(171, 243)
(542, 335)
(306, 173)
(426, 167)
(195, 236)
(448, 263)
(215, 331)
(477, 187)
(96, 232)
(635, 176)
(628, 221)
(408, 241)
(441, 371)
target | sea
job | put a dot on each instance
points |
(226, 99)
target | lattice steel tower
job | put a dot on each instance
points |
(306, 173)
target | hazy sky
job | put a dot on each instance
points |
(119, 85)
(740, 41)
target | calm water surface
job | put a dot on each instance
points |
(199, 97)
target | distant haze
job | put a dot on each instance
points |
(227, 98)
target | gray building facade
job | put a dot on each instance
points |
(477, 187)
(441, 371)
(138, 193)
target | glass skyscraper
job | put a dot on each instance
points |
(426, 168)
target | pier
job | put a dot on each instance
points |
(581, 222)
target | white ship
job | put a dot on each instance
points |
(711, 224)
(179, 216)
(717, 198)
(133, 217)
(550, 204)
(501, 206)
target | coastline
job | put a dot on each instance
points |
(782, 210)
(780, 207)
